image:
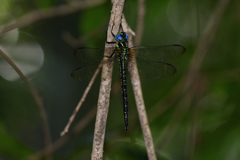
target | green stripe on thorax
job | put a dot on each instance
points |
(122, 48)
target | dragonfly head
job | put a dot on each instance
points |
(121, 37)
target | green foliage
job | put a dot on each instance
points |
(45, 4)
(88, 20)
(93, 20)
(199, 123)
(4, 10)
(11, 147)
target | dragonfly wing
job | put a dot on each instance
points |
(84, 73)
(91, 55)
(158, 53)
(154, 69)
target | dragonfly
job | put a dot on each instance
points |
(151, 62)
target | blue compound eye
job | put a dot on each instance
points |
(119, 37)
(126, 36)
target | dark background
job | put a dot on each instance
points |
(200, 122)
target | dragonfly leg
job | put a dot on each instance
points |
(111, 54)
(112, 30)
(110, 42)
(112, 35)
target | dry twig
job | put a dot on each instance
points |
(36, 97)
(105, 86)
(32, 17)
(136, 84)
(63, 140)
(140, 22)
(188, 83)
(81, 101)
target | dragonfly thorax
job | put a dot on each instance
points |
(121, 37)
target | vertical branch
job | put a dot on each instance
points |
(136, 84)
(140, 22)
(105, 86)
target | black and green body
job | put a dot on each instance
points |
(151, 62)
(122, 54)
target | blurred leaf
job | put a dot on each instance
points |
(92, 18)
(28, 56)
(45, 4)
(4, 10)
(11, 147)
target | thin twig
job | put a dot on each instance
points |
(199, 90)
(136, 84)
(36, 97)
(63, 140)
(32, 17)
(140, 22)
(105, 86)
(205, 42)
(207, 39)
(76, 42)
(202, 49)
(127, 29)
(174, 123)
(82, 100)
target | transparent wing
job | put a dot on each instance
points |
(158, 53)
(154, 69)
(84, 73)
(91, 55)
(151, 61)
(91, 58)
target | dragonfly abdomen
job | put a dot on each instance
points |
(124, 89)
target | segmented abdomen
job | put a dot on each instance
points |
(124, 89)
